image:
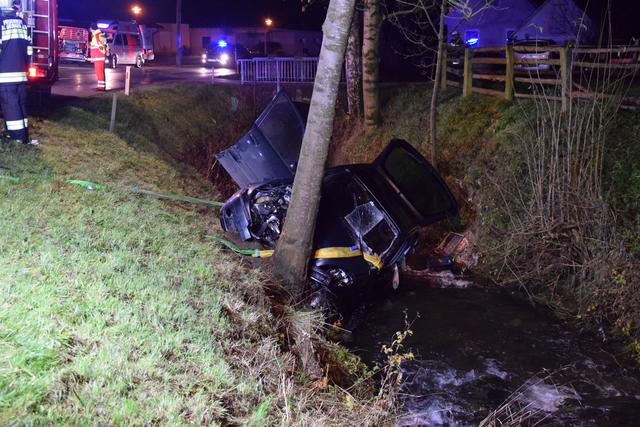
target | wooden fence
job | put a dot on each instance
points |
(559, 67)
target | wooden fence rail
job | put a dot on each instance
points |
(561, 62)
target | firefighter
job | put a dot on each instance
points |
(98, 56)
(15, 55)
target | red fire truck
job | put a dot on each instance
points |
(73, 44)
(41, 17)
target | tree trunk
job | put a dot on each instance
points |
(440, 68)
(353, 62)
(295, 244)
(370, 59)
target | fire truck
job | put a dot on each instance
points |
(73, 44)
(41, 17)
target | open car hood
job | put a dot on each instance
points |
(270, 150)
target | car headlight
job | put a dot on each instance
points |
(224, 58)
(204, 58)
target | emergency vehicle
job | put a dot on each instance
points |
(73, 44)
(41, 17)
(129, 43)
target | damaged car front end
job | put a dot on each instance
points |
(369, 214)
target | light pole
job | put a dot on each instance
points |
(179, 33)
(268, 22)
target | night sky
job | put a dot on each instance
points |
(286, 13)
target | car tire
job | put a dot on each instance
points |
(113, 62)
(139, 61)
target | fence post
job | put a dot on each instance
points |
(467, 85)
(114, 106)
(127, 80)
(443, 70)
(565, 75)
(278, 74)
(509, 75)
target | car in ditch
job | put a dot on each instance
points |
(369, 215)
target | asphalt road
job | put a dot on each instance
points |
(80, 81)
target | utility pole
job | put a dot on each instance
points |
(179, 33)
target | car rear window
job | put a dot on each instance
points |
(417, 183)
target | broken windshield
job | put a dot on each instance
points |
(371, 227)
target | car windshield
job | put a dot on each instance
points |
(367, 221)
(372, 228)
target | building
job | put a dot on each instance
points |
(560, 21)
(257, 40)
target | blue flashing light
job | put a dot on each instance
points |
(472, 41)
(222, 43)
(103, 25)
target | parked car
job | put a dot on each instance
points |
(126, 44)
(224, 54)
(537, 53)
(369, 214)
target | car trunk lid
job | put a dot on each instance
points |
(421, 189)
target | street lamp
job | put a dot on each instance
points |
(179, 33)
(268, 22)
(136, 10)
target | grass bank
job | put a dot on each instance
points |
(483, 157)
(114, 310)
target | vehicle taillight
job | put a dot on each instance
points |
(36, 73)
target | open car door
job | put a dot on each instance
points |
(271, 149)
(420, 187)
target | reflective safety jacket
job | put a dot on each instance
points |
(98, 46)
(15, 49)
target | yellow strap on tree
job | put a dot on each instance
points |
(332, 253)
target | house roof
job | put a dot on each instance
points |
(530, 22)
(508, 12)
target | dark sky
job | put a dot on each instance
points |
(286, 13)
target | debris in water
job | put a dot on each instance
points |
(460, 249)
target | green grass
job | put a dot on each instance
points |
(114, 310)
(111, 305)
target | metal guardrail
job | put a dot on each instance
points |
(278, 70)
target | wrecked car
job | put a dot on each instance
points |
(369, 214)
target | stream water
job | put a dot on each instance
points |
(476, 348)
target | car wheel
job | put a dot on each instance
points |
(114, 61)
(139, 62)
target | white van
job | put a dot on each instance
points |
(126, 43)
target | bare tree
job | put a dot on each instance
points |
(419, 21)
(295, 244)
(354, 65)
(370, 59)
